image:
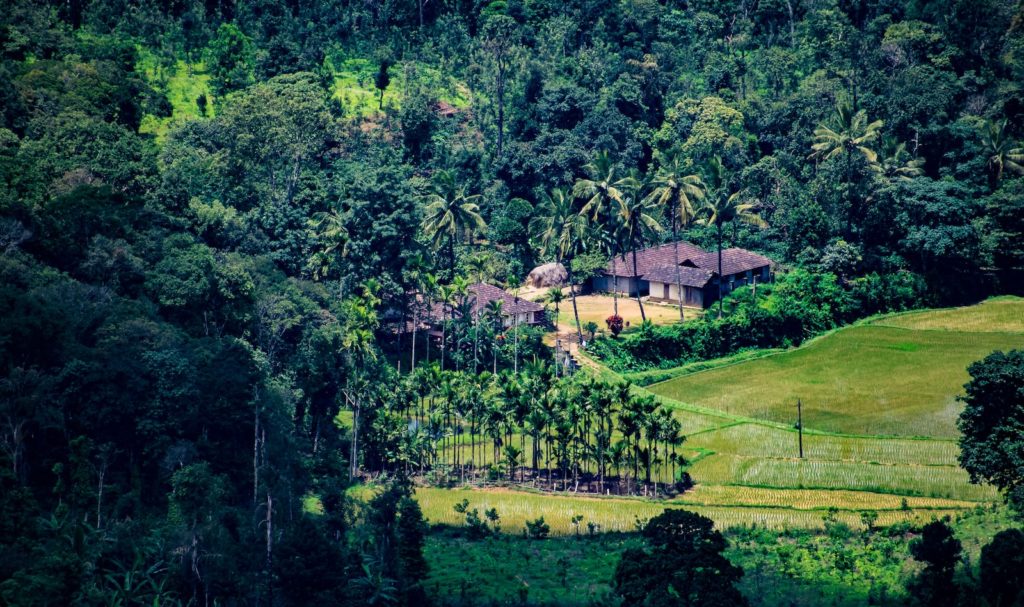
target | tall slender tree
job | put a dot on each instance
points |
(639, 223)
(676, 189)
(561, 231)
(848, 134)
(450, 216)
(601, 191)
(722, 207)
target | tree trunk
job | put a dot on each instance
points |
(575, 310)
(679, 272)
(636, 288)
(269, 563)
(721, 278)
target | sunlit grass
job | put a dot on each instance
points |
(947, 482)
(996, 315)
(622, 514)
(862, 380)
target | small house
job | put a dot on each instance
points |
(694, 281)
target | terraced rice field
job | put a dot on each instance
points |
(879, 415)
(885, 378)
(622, 514)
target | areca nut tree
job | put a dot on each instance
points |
(561, 232)
(676, 189)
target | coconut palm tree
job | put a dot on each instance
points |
(330, 230)
(1002, 154)
(895, 162)
(675, 190)
(720, 207)
(847, 134)
(451, 214)
(561, 231)
(601, 191)
(638, 221)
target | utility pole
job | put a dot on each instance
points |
(800, 426)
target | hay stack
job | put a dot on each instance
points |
(547, 275)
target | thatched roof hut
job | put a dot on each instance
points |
(548, 275)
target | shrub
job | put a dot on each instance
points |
(798, 306)
(537, 529)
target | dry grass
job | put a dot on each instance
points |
(597, 308)
(622, 514)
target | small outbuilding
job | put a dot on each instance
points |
(548, 275)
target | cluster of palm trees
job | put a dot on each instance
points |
(533, 428)
(619, 213)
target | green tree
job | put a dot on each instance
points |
(451, 215)
(682, 564)
(555, 296)
(992, 445)
(601, 191)
(1003, 154)
(1002, 569)
(561, 232)
(675, 189)
(381, 81)
(231, 58)
(637, 216)
(940, 551)
(847, 135)
(722, 207)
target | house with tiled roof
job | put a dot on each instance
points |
(695, 281)
(513, 308)
(430, 314)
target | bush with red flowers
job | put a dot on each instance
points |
(614, 323)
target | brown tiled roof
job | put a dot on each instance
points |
(479, 295)
(734, 261)
(483, 294)
(651, 258)
(690, 277)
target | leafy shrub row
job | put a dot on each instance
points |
(799, 305)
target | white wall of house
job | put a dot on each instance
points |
(523, 319)
(625, 285)
(692, 296)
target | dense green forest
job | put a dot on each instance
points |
(221, 219)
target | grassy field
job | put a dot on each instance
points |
(879, 413)
(996, 315)
(182, 84)
(874, 379)
(728, 510)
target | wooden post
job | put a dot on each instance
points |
(800, 426)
